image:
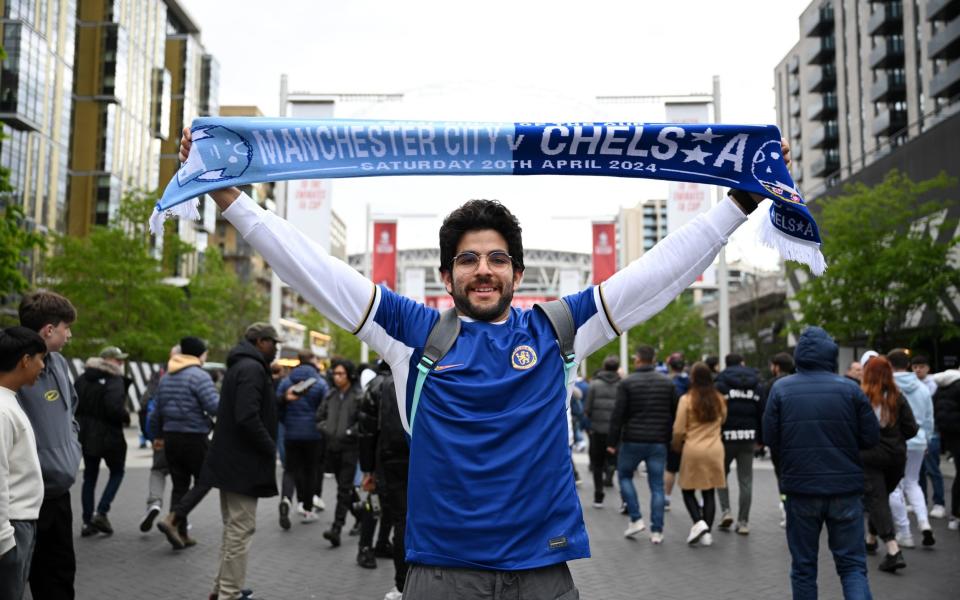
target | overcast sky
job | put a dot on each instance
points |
(501, 60)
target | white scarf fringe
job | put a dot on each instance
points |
(185, 210)
(790, 248)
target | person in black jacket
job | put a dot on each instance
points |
(601, 398)
(741, 436)
(242, 460)
(883, 464)
(384, 450)
(642, 425)
(337, 419)
(102, 414)
(946, 414)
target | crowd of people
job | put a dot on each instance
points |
(869, 439)
(483, 387)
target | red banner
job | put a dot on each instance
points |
(604, 251)
(385, 254)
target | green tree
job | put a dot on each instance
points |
(221, 305)
(116, 283)
(886, 261)
(16, 244)
(678, 327)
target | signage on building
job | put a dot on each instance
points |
(309, 201)
(686, 200)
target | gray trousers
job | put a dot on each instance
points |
(158, 478)
(448, 583)
(15, 563)
(742, 452)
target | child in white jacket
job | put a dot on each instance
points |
(22, 351)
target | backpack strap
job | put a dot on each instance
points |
(561, 320)
(441, 338)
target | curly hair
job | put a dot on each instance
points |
(475, 215)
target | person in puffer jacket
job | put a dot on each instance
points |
(601, 398)
(186, 402)
(918, 396)
(947, 418)
(816, 423)
(302, 442)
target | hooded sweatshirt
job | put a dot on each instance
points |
(186, 398)
(741, 385)
(102, 408)
(50, 404)
(918, 396)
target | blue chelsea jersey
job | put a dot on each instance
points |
(491, 480)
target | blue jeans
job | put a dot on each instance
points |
(630, 455)
(91, 469)
(931, 468)
(843, 516)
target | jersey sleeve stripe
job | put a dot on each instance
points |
(368, 311)
(606, 311)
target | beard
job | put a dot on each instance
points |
(491, 312)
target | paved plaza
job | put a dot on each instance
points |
(299, 564)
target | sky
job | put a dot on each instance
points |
(502, 61)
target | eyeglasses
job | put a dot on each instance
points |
(469, 262)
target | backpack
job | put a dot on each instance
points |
(445, 331)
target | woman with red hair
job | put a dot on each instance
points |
(883, 465)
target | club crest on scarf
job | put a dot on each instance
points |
(240, 151)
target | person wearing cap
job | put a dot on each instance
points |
(242, 462)
(102, 414)
(186, 402)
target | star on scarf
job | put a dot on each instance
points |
(707, 136)
(696, 154)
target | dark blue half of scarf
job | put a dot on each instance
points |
(230, 151)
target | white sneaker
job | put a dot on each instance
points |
(726, 520)
(938, 511)
(696, 532)
(706, 540)
(634, 528)
(656, 538)
(783, 516)
(318, 503)
(905, 541)
(953, 524)
(393, 594)
(308, 517)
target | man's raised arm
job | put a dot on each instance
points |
(338, 291)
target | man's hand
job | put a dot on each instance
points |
(223, 197)
(157, 443)
(369, 483)
(290, 396)
(611, 450)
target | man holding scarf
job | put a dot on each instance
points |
(482, 513)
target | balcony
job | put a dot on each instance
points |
(823, 108)
(826, 135)
(794, 85)
(828, 164)
(889, 121)
(889, 88)
(818, 22)
(793, 65)
(796, 152)
(946, 83)
(942, 10)
(945, 44)
(886, 18)
(821, 51)
(887, 53)
(795, 106)
(822, 79)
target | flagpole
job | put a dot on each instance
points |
(723, 284)
(276, 286)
